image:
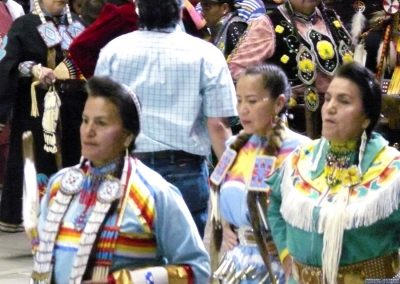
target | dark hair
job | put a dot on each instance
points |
(276, 82)
(121, 97)
(231, 4)
(274, 79)
(91, 10)
(158, 14)
(369, 87)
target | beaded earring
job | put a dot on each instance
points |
(361, 152)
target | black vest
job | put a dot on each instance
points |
(291, 47)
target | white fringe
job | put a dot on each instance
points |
(294, 202)
(364, 211)
(333, 229)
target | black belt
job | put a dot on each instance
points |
(168, 155)
(69, 85)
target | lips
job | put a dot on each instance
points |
(89, 144)
(329, 121)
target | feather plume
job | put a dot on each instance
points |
(358, 24)
(30, 209)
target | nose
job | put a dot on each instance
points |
(88, 129)
(242, 108)
(330, 106)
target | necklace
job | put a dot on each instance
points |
(96, 178)
(62, 34)
(340, 167)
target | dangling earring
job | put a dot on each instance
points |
(126, 152)
(361, 152)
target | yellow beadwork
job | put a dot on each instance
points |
(347, 58)
(279, 29)
(337, 24)
(340, 167)
(325, 50)
(285, 59)
(306, 65)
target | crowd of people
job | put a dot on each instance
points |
(185, 141)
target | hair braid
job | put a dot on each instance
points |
(276, 138)
(257, 201)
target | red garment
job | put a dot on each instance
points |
(5, 19)
(112, 22)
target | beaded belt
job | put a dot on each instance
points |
(246, 237)
(376, 268)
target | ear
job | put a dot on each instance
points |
(280, 103)
(226, 8)
(128, 140)
(366, 123)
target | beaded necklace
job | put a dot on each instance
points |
(88, 194)
(62, 34)
(341, 164)
(110, 190)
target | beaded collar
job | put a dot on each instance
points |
(341, 164)
(71, 184)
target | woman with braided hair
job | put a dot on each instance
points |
(265, 141)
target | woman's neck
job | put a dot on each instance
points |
(343, 147)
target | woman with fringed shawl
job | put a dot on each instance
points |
(334, 207)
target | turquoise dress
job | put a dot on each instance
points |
(301, 203)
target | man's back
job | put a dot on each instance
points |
(180, 80)
(187, 96)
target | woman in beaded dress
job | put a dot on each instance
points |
(37, 43)
(309, 42)
(334, 205)
(108, 219)
(262, 92)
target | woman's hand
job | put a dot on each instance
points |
(229, 237)
(45, 75)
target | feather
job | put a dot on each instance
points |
(30, 209)
(358, 24)
(360, 54)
